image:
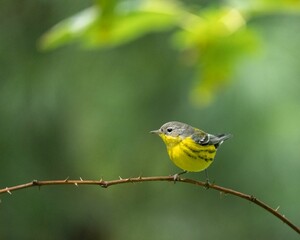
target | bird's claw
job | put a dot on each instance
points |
(176, 177)
(207, 184)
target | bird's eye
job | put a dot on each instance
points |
(169, 129)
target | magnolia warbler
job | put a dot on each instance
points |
(190, 149)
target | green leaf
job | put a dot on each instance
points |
(70, 29)
(125, 22)
(217, 39)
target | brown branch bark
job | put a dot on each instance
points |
(106, 184)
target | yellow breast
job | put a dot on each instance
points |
(189, 155)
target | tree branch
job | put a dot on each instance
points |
(106, 184)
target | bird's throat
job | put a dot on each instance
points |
(171, 141)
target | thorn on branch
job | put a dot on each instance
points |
(7, 190)
(81, 179)
(76, 184)
(66, 179)
(277, 208)
(103, 184)
(252, 198)
(35, 182)
(120, 178)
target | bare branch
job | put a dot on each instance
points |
(106, 184)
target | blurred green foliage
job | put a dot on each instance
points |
(112, 23)
(215, 38)
(74, 113)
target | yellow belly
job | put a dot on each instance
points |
(191, 156)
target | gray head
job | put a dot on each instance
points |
(175, 129)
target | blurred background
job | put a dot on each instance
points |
(78, 99)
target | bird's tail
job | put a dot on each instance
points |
(221, 138)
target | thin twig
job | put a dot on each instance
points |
(106, 184)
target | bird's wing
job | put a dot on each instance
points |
(200, 137)
(203, 138)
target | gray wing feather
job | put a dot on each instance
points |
(209, 139)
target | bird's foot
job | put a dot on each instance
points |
(176, 176)
(207, 184)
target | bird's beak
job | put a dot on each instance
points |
(156, 132)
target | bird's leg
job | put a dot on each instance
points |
(207, 183)
(176, 176)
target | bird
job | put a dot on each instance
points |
(190, 148)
